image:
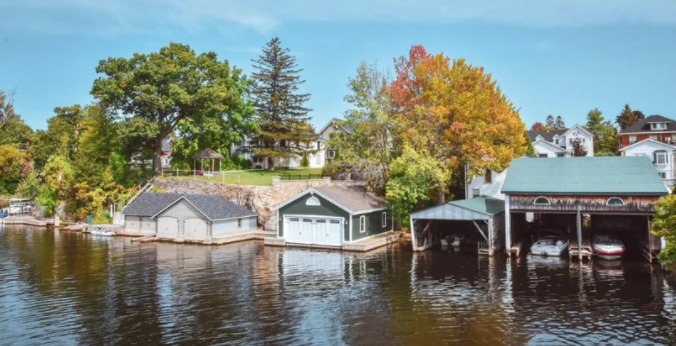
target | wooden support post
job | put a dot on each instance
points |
(508, 227)
(650, 243)
(480, 230)
(491, 237)
(414, 241)
(579, 234)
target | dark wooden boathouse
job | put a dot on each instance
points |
(582, 196)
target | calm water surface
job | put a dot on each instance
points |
(68, 288)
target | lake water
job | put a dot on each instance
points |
(68, 288)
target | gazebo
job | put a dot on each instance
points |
(208, 154)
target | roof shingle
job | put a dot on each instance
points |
(644, 125)
(212, 206)
(354, 198)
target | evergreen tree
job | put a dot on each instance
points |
(626, 118)
(605, 141)
(559, 124)
(284, 129)
(550, 122)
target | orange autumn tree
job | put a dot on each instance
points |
(455, 113)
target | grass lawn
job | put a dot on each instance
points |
(254, 177)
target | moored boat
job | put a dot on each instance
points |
(102, 232)
(550, 245)
(607, 247)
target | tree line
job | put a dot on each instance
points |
(93, 155)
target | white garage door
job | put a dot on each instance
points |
(195, 229)
(167, 227)
(313, 230)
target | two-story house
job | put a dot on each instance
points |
(559, 143)
(318, 154)
(655, 137)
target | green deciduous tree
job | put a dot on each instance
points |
(162, 88)
(370, 144)
(414, 179)
(605, 135)
(284, 129)
(664, 225)
(11, 168)
(13, 131)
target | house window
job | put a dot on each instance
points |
(632, 139)
(331, 154)
(476, 192)
(615, 202)
(541, 201)
(319, 145)
(557, 141)
(239, 223)
(560, 155)
(384, 219)
(362, 224)
(488, 178)
(543, 155)
(313, 201)
(660, 158)
(663, 175)
(658, 126)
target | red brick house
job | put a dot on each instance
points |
(655, 127)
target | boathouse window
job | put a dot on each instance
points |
(384, 219)
(239, 223)
(362, 224)
(541, 201)
(615, 202)
(313, 201)
(488, 178)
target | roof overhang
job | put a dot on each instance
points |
(581, 128)
(649, 140)
(553, 146)
(176, 201)
(452, 211)
(314, 191)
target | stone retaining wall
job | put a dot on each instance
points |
(260, 199)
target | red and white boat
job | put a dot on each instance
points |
(607, 247)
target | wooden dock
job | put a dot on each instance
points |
(362, 245)
(584, 252)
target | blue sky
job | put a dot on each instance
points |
(549, 57)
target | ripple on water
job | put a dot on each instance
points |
(65, 288)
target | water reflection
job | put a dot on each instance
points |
(67, 288)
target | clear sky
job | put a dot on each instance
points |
(549, 57)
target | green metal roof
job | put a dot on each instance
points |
(616, 175)
(482, 204)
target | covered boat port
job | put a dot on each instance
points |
(479, 220)
(579, 197)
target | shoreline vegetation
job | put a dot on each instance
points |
(94, 156)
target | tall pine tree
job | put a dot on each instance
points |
(626, 118)
(284, 128)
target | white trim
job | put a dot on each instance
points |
(313, 202)
(645, 133)
(174, 202)
(538, 197)
(315, 191)
(615, 205)
(565, 134)
(331, 123)
(550, 144)
(370, 211)
(383, 217)
(351, 222)
(362, 218)
(649, 140)
(236, 217)
(300, 217)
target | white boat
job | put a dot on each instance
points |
(607, 247)
(102, 232)
(550, 245)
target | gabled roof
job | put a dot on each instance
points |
(148, 204)
(213, 207)
(668, 146)
(555, 147)
(609, 175)
(477, 208)
(352, 199)
(581, 128)
(644, 125)
(208, 154)
(339, 123)
(546, 135)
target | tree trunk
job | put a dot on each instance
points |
(441, 197)
(157, 161)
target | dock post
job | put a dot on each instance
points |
(579, 234)
(508, 227)
(413, 237)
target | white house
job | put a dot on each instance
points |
(488, 184)
(318, 154)
(559, 143)
(661, 154)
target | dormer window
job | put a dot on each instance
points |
(658, 126)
